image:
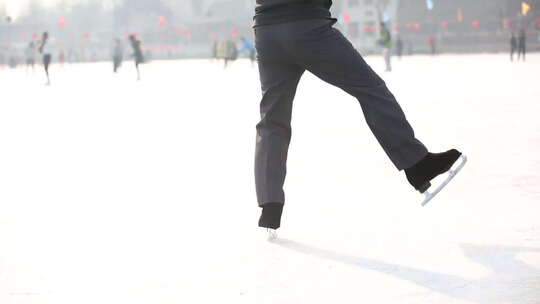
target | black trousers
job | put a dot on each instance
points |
(285, 51)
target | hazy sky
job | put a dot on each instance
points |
(15, 7)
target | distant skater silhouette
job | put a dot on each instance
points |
(44, 50)
(137, 53)
(385, 41)
(118, 54)
(513, 46)
(231, 52)
(249, 48)
(399, 47)
(522, 45)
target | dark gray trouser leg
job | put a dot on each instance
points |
(285, 51)
(331, 57)
(278, 82)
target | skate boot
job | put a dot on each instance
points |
(271, 218)
(431, 166)
(272, 234)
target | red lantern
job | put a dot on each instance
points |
(62, 22)
(346, 18)
(234, 32)
(476, 24)
(444, 24)
(162, 20)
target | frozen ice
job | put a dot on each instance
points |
(118, 191)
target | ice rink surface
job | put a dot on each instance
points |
(117, 191)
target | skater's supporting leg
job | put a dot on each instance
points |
(388, 59)
(278, 82)
(116, 64)
(512, 51)
(328, 54)
(46, 64)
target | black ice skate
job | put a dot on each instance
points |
(271, 218)
(431, 166)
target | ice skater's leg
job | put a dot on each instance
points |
(512, 50)
(278, 83)
(46, 64)
(388, 60)
(331, 57)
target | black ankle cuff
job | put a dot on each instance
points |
(271, 215)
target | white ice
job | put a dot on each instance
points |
(117, 191)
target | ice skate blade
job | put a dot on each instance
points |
(460, 163)
(272, 235)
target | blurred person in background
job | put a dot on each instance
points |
(221, 50)
(44, 50)
(385, 41)
(118, 54)
(2, 59)
(137, 53)
(522, 47)
(292, 36)
(214, 50)
(30, 54)
(231, 52)
(13, 59)
(399, 46)
(513, 45)
(248, 47)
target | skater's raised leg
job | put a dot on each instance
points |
(331, 57)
